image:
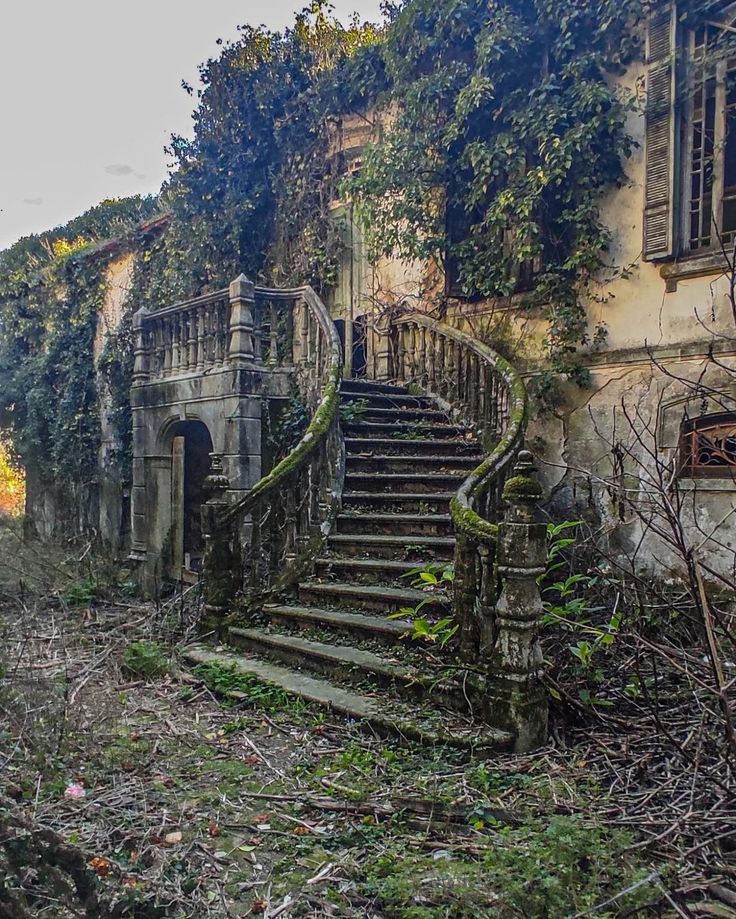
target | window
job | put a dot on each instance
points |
(708, 446)
(690, 197)
(709, 135)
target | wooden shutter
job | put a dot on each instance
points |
(661, 136)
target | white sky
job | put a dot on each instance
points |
(90, 92)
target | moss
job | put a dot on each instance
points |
(522, 486)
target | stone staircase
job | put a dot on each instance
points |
(333, 643)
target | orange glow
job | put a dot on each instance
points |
(12, 487)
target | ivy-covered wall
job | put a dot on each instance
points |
(53, 290)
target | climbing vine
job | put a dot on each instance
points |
(501, 131)
(52, 288)
(507, 131)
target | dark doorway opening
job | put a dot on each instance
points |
(191, 446)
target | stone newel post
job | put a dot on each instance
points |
(517, 700)
(242, 298)
(219, 562)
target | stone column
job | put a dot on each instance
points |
(219, 562)
(242, 299)
(140, 350)
(516, 699)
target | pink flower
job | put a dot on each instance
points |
(75, 791)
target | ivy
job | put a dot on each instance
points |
(507, 121)
(52, 288)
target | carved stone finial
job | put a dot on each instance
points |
(523, 487)
(140, 314)
(216, 483)
(242, 288)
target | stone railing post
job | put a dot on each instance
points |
(516, 697)
(219, 562)
(140, 351)
(242, 300)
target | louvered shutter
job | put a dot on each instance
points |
(661, 136)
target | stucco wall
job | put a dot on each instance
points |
(655, 353)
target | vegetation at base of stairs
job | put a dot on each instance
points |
(181, 804)
(146, 658)
(561, 867)
(258, 693)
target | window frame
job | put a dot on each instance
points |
(685, 115)
(689, 431)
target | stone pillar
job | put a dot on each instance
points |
(516, 699)
(218, 568)
(242, 300)
(140, 351)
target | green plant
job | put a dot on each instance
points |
(436, 577)
(352, 410)
(290, 426)
(227, 680)
(568, 604)
(146, 658)
(81, 593)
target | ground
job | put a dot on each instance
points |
(184, 803)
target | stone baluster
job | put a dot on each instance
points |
(201, 339)
(191, 339)
(493, 403)
(303, 333)
(430, 359)
(218, 333)
(176, 344)
(465, 591)
(451, 372)
(273, 341)
(291, 521)
(242, 302)
(167, 345)
(516, 699)
(219, 564)
(441, 384)
(140, 346)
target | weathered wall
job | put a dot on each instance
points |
(661, 323)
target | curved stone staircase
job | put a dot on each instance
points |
(333, 643)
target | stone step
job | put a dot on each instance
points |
(399, 524)
(385, 463)
(351, 664)
(363, 570)
(427, 445)
(375, 627)
(399, 503)
(402, 415)
(403, 483)
(361, 427)
(385, 600)
(393, 545)
(414, 723)
(371, 386)
(388, 399)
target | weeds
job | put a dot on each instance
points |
(146, 659)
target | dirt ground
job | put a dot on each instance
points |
(180, 803)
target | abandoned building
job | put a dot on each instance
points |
(434, 421)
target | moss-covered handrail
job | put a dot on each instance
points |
(324, 416)
(466, 519)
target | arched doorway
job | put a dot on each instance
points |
(191, 446)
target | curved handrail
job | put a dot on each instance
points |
(465, 517)
(323, 417)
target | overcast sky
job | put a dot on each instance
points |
(91, 92)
